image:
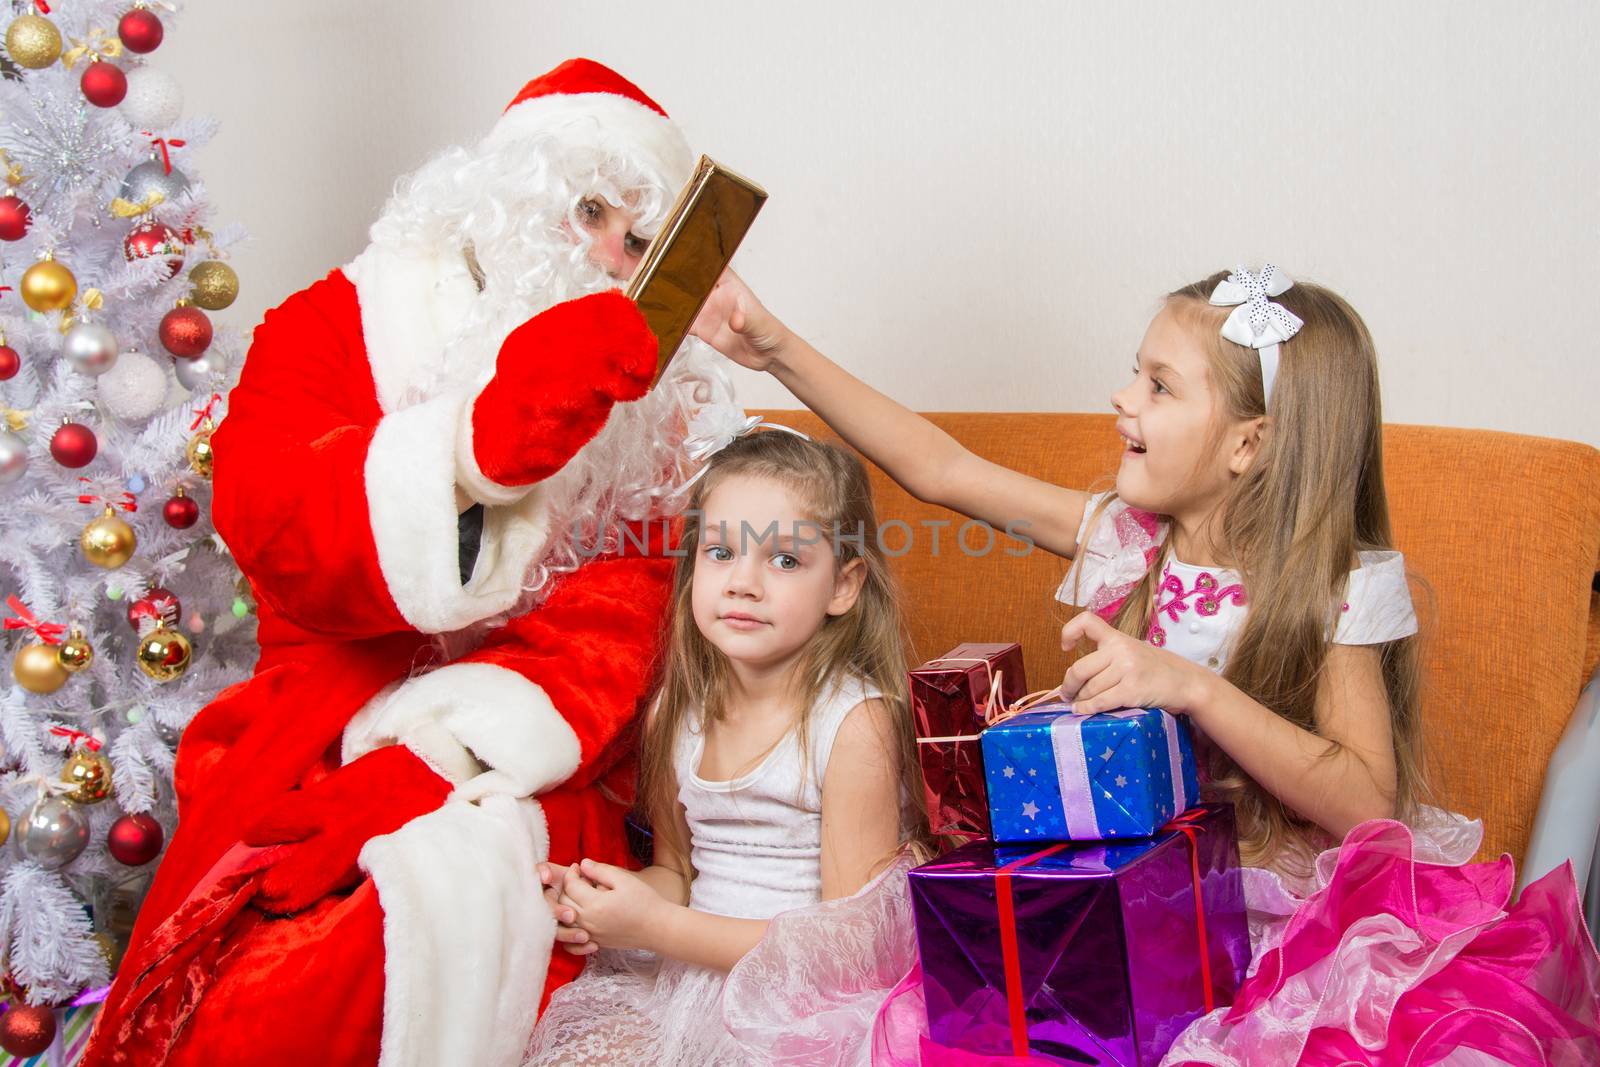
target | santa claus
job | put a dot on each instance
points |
(444, 472)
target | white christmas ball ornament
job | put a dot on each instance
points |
(200, 372)
(13, 457)
(90, 348)
(154, 100)
(135, 388)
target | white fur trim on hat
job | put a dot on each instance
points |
(621, 126)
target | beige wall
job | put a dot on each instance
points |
(975, 205)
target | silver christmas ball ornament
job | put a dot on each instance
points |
(13, 457)
(153, 177)
(90, 348)
(200, 372)
(169, 734)
(53, 833)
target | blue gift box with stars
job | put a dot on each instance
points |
(1056, 776)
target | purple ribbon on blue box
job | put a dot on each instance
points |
(1053, 775)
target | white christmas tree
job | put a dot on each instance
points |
(124, 613)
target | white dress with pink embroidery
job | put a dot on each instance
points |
(1200, 609)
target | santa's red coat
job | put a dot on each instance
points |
(338, 500)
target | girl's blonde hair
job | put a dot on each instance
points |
(868, 641)
(1292, 525)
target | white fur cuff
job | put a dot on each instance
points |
(478, 485)
(411, 501)
(466, 933)
(466, 714)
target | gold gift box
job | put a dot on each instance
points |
(692, 249)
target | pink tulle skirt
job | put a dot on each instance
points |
(1397, 951)
(806, 996)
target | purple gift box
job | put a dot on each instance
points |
(1080, 953)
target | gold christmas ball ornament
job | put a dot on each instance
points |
(5, 826)
(37, 670)
(33, 42)
(108, 541)
(164, 654)
(75, 653)
(48, 286)
(215, 285)
(89, 775)
(109, 949)
(199, 451)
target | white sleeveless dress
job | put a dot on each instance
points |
(808, 993)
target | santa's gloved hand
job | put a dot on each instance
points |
(329, 822)
(555, 380)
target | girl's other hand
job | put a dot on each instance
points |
(1124, 672)
(568, 936)
(615, 907)
(736, 324)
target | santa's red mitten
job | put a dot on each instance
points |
(329, 822)
(555, 381)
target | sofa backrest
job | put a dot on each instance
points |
(1501, 532)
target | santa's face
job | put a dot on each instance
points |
(614, 247)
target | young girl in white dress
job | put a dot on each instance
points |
(1243, 573)
(774, 918)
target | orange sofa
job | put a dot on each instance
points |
(1502, 532)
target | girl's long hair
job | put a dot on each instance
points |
(869, 641)
(1292, 526)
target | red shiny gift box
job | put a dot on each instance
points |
(949, 700)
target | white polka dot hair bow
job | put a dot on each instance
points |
(1257, 322)
(715, 427)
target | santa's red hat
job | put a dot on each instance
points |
(582, 101)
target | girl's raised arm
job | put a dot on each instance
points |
(927, 462)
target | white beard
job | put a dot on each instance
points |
(634, 468)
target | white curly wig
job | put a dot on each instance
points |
(512, 199)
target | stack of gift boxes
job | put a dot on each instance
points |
(1096, 908)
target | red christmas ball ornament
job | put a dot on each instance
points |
(140, 31)
(149, 239)
(74, 445)
(159, 604)
(180, 511)
(10, 362)
(27, 1029)
(15, 217)
(185, 331)
(104, 84)
(135, 839)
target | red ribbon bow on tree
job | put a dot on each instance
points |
(78, 737)
(128, 502)
(202, 414)
(48, 632)
(162, 143)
